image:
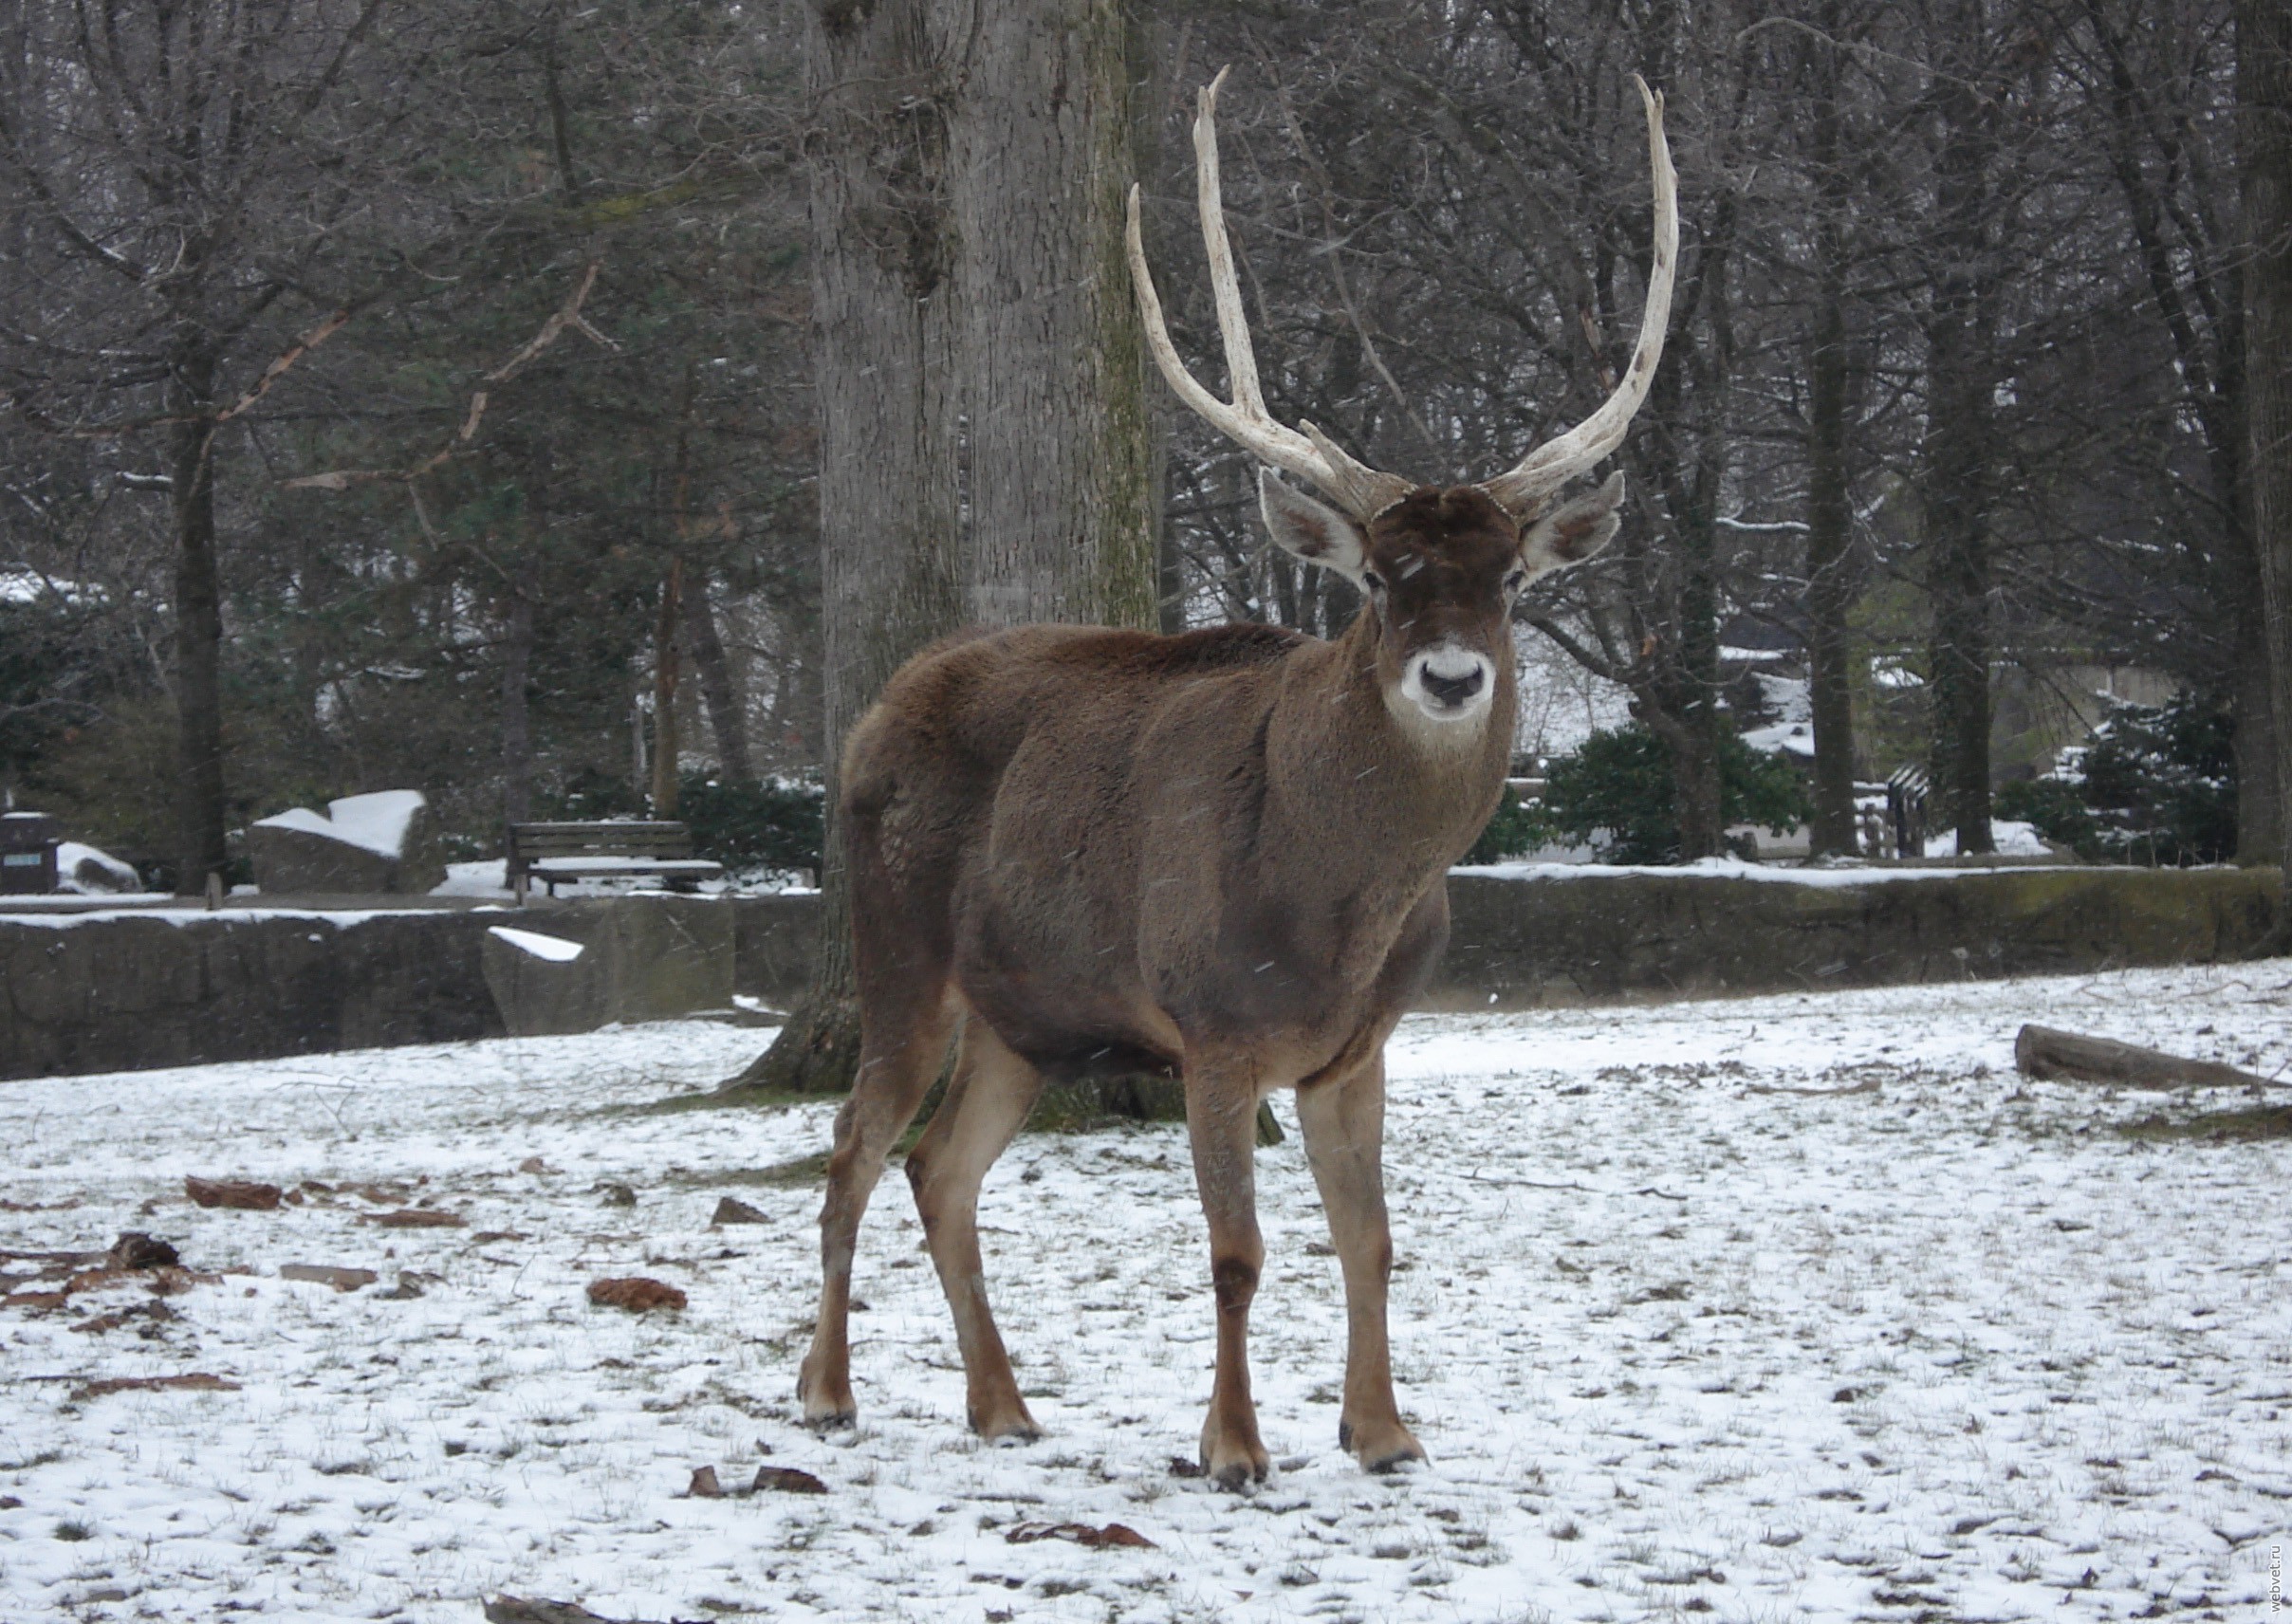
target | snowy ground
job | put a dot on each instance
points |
(1934, 1346)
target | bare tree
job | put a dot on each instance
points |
(183, 171)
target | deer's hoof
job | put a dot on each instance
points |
(828, 1405)
(1004, 1422)
(1234, 1462)
(1381, 1446)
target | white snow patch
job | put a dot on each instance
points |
(1935, 1339)
(486, 878)
(378, 821)
(555, 948)
(85, 871)
(2013, 838)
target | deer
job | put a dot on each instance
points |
(1220, 856)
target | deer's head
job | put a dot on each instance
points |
(1440, 569)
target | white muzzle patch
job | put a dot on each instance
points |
(1449, 683)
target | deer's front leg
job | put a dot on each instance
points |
(1343, 1121)
(1221, 1117)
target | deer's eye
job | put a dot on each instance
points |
(1374, 582)
(1515, 581)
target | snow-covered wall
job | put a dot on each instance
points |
(135, 988)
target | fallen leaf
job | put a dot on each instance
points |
(636, 1293)
(326, 1274)
(1080, 1534)
(533, 1164)
(196, 1381)
(418, 1218)
(243, 1194)
(786, 1480)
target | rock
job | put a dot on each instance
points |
(638, 1294)
(360, 845)
(241, 1195)
(732, 1210)
(416, 1218)
(533, 1164)
(323, 1274)
(545, 986)
(134, 1249)
(617, 1194)
(704, 1485)
(786, 1480)
(518, 1609)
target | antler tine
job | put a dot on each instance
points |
(1551, 465)
(1359, 489)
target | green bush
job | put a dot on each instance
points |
(1615, 793)
(776, 822)
(1514, 829)
(2154, 784)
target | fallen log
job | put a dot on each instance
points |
(2049, 1056)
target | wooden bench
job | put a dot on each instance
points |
(553, 851)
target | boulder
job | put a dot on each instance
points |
(545, 986)
(360, 845)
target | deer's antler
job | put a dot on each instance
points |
(1358, 489)
(1533, 479)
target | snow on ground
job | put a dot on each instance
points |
(1933, 1344)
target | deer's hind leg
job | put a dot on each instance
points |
(988, 1099)
(904, 1031)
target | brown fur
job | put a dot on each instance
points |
(1219, 854)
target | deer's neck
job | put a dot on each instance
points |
(1370, 781)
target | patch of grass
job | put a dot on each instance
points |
(71, 1532)
(714, 1099)
(2267, 1123)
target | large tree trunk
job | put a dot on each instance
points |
(2263, 81)
(1053, 361)
(1960, 409)
(201, 812)
(885, 258)
(1829, 538)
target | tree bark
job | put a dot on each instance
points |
(201, 810)
(2263, 81)
(1960, 410)
(1060, 450)
(885, 260)
(1829, 537)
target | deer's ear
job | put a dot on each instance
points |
(1311, 530)
(1574, 531)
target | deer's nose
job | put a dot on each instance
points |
(1454, 691)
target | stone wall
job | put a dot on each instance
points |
(124, 991)
(119, 990)
(1521, 943)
